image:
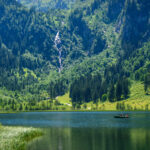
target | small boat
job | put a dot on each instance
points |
(121, 116)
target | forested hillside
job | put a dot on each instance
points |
(48, 4)
(101, 46)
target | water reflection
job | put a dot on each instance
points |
(92, 139)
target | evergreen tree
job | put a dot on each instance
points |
(103, 90)
(26, 108)
(147, 82)
(118, 90)
(20, 107)
(0, 42)
(104, 97)
(13, 104)
(125, 88)
(111, 94)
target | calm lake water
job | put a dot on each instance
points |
(85, 130)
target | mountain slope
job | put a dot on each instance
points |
(98, 39)
(47, 4)
(136, 25)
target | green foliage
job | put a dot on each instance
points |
(86, 88)
(121, 106)
(104, 97)
(111, 93)
(16, 138)
(47, 4)
(135, 30)
(147, 83)
(0, 42)
(125, 87)
(138, 64)
(99, 52)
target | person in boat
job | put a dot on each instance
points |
(126, 116)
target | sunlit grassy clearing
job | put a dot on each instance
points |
(65, 99)
(16, 138)
(138, 100)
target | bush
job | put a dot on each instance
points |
(104, 97)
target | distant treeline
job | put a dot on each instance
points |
(92, 88)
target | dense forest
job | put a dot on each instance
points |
(103, 45)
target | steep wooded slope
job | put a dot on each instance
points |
(97, 37)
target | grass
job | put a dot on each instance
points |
(137, 100)
(16, 138)
(65, 99)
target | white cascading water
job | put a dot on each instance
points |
(59, 49)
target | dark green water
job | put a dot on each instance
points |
(93, 139)
(85, 130)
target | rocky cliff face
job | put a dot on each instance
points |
(136, 24)
(115, 8)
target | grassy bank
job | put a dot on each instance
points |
(137, 100)
(16, 138)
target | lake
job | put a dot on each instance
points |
(85, 130)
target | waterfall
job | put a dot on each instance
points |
(57, 42)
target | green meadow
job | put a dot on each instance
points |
(137, 100)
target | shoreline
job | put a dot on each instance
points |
(16, 138)
(75, 111)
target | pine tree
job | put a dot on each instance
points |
(20, 107)
(125, 88)
(0, 42)
(147, 82)
(111, 94)
(13, 104)
(118, 90)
